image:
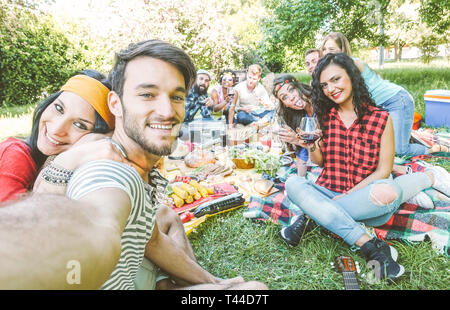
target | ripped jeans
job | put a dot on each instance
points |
(341, 216)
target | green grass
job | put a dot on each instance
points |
(229, 245)
(15, 121)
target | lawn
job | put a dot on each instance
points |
(229, 244)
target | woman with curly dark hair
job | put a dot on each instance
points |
(295, 103)
(390, 96)
(357, 154)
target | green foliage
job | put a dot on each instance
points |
(429, 47)
(293, 25)
(436, 14)
(35, 59)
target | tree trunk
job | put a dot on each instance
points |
(381, 59)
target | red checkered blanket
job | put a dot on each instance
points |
(410, 223)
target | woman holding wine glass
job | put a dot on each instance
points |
(357, 154)
(224, 95)
(294, 106)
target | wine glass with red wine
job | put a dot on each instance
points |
(309, 129)
(230, 92)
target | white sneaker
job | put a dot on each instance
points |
(441, 179)
(422, 200)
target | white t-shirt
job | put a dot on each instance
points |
(247, 97)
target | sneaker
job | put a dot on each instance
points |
(293, 233)
(436, 195)
(380, 255)
(441, 179)
(422, 200)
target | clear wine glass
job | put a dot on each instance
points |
(309, 129)
(230, 92)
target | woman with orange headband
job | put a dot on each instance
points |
(60, 120)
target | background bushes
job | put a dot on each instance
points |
(35, 59)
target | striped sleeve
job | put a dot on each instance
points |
(107, 174)
(139, 226)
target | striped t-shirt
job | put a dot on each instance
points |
(144, 199)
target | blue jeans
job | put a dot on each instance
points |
(341, 216)
(245, 118)
(401, 110)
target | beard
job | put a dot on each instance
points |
(200, 90)
(163, 148)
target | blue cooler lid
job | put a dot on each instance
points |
(442, 95)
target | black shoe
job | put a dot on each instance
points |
(381, 256)
(293, 233)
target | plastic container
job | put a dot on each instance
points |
(417, 121)
(437, 108)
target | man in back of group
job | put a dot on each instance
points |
(312, 56)
(198, 99)
(149, 81)
(252, 101)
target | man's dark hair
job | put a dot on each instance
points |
(155, 49)
(311, 50)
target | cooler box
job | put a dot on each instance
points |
(437, 108)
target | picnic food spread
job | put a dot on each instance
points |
(213, 179)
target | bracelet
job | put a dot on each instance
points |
(56, 175)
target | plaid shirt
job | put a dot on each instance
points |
(349, 154)
(193, 104)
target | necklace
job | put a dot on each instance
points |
(118, 146)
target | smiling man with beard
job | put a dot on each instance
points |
(198, 99)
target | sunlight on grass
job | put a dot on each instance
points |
(230, 245)
(19, 127)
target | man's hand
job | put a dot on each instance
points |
(208, 102)
(91, 148)
(286, 134)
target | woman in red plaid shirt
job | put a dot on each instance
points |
(357, 154)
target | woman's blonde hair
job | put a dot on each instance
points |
(340, 40)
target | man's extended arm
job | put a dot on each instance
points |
(163, 251)
(52, 242)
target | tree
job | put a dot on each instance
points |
(193, 25)
(295, 25)
(436, 14)
(403, 24)
(35, 59)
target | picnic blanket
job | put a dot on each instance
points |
(410, 223)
